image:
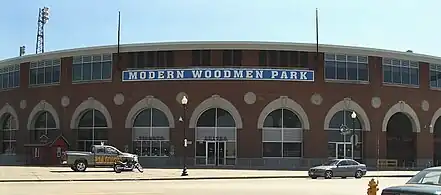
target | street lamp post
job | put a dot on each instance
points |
(184, 102)
(353, 116)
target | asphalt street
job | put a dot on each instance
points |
(347, 186)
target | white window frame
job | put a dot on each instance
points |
(46, 128)
(436, 68)
(43, 64)
(101, 58)
(216, 128)
(93, 129)
(150, 141)
(282, 141)
(360, 60)
(10, 140)
(389, 62)
(7, 71)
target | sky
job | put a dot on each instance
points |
(386, 24)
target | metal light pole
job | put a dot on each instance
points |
(353, 116)
(184, 102)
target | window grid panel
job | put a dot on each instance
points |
(349, 61)
(45, 72)
(101, 73)
(435, 75)
(10, 140)
(394, 69)
(10, 77)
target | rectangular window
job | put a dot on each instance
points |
(346, 67)
(45, 72)
(227, 57)
(94, 68)
(206, 57)
(280, 142)
(10, 77)
(237, 57)
(435, 76)
(263, 58)
(403, 72)
(196, 57)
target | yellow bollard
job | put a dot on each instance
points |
(373, 187)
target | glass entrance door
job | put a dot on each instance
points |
(215, 153)
(343, 150)
(220, 153)
(211, 153)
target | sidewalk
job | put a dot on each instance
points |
(53, 174)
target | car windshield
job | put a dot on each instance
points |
(427, 177)
(331, 162)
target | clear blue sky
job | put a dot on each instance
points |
(388, 24)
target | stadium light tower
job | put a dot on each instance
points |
(43, 17)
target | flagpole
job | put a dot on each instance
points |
(316, 35)
(119, 38)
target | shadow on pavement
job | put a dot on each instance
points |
(91, 171)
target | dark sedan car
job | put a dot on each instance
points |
(426, 182)
(338, 168)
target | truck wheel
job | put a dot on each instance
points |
(80, 165)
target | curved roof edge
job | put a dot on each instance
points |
(243, 45)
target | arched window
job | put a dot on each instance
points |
(9, 129)
(151, 133)
(339, 144)
(216, 138)
(44, 122)
(282, 134)
(92, 129)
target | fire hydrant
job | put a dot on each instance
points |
(373, 187)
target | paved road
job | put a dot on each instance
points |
(63, 173)
(200, 187)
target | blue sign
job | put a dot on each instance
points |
(218, 74)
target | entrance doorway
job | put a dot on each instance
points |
(339, 150)
(215, 153)
(401, 140)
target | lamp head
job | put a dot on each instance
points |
(184, 100)
(353, 115)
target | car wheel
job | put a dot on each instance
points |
(73, 168)
(80, 165)
(328, 174)
(358, 174)
(313, 177)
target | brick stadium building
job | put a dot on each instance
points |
(250, 104)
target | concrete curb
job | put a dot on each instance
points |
(173, 178)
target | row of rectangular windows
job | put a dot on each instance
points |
(149, 59)
(435, 75)
(355, 68)
(10, 77)
(45, 72)
(337, 67)
(346, 67)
